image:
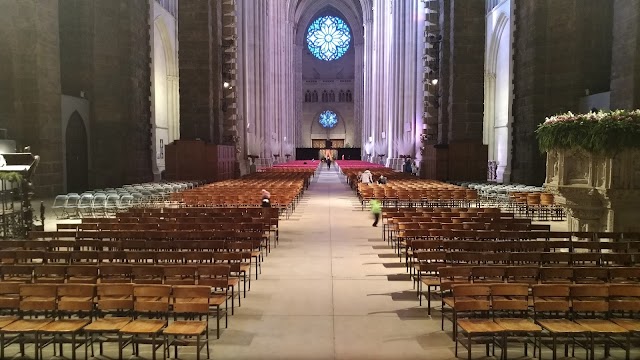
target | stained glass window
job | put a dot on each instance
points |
(328, 38)
(328, 119)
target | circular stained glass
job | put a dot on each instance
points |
(328, 119)
(328, 38)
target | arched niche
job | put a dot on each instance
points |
(77, 154)
(498, 90)
(165, 95)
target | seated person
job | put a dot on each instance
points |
(382, 180)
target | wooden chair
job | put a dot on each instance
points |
(472, 317)
(522, 274)
(488, 274)
(189, 302)
(238, 271)
(147, 274)
(426, 268)
(590, 275)
(510, 306)
(151, 301)
(450, 276)
(590, 309)
(9, 297)
(179, 275)
(82, 274)
(552, 311)
(114, 310)
(624, 306)
(34, 299)
(216, 277)
(556, 275)
(72, 299)
(50, 274)
(624, 275)
(17, 273)
(115, 273)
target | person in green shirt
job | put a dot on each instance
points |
(376, 209)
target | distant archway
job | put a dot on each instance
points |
(77, 157)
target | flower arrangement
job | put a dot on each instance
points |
(602, 132)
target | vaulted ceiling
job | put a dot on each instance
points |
(360, 8)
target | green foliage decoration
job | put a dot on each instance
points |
(11, 177)
(603, 132)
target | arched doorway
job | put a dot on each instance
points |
(77, 157)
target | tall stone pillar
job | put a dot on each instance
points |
(561, 51)
(120, 95)
(251, 62)
(197, 102)
(30, 33)
(369, 88)
(404, 73)
(625, 67)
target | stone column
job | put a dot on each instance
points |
(369, 88)
(561, 48)
(34, 53)
(404, 72)
(625, 67)
(196, 99)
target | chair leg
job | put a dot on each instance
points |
(197, 348)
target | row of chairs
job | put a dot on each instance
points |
(83, 314)
(570, 314)
(107, 202)
(241, 260)
(534, 258)
(440, 275)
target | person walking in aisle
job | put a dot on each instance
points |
(329, 162)
(376, 210)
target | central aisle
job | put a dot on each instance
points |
(331, 290)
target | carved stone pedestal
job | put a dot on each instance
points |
(600, 193)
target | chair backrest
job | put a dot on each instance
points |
(60, 201)
(85, 200)
(112, 200)
(471, 297)
(38, 297)
(510, 298)
(9, 296)
(99, 200)
(147, 274)
(215, 276)
(151, 299)
(114, 298)
(624, 298)
(72, 200)
(179, 275)
(76, 298)
(589, 299)
(551, 298)
(191, 299)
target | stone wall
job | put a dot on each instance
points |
(560, 53)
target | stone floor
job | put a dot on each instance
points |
(333, 290)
